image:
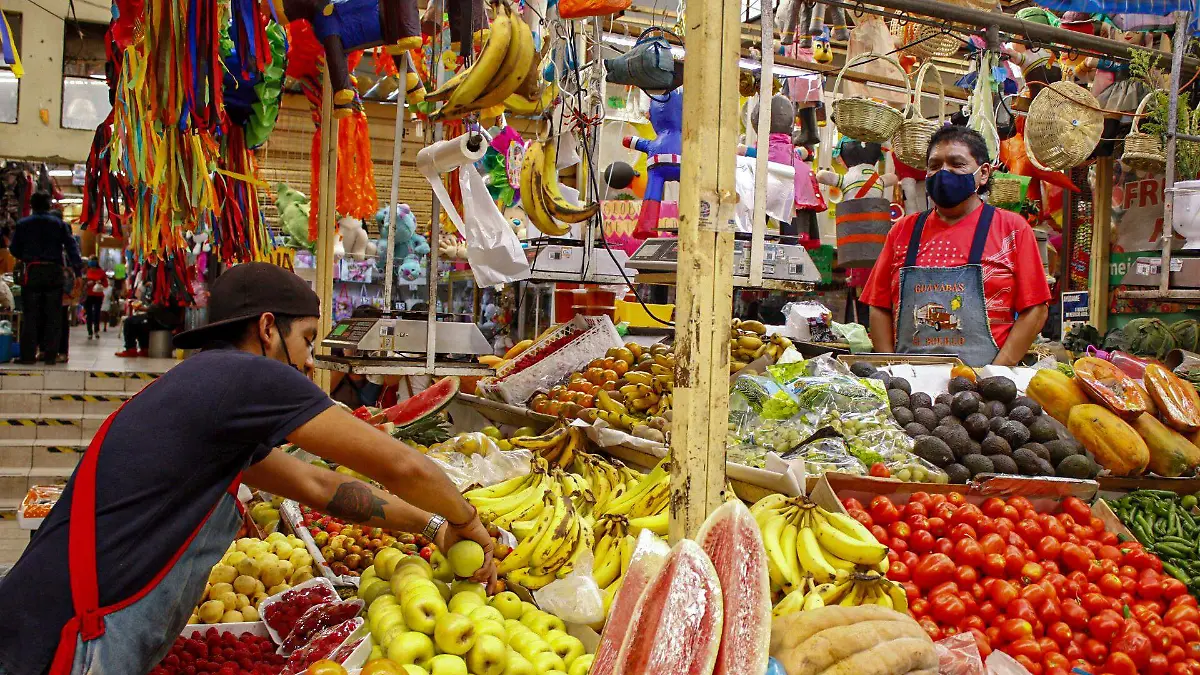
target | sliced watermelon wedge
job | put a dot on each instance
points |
(733, 542)
(429, 402)
(644, 564)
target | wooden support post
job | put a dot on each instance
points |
(766, 90)
(1101, 227)
(389, 270)
(704, 300)
(327, 208)
(1182, 19)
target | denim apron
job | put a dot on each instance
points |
(943, 310)
(130, 637)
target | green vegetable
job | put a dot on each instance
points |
(1187, 334)
(1188, 502)
(1146, 336)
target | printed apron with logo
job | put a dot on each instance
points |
(943, 310)
(131, 636)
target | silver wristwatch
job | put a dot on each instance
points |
(431, 528)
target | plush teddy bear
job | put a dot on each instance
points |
(293, 207)
(410, 269)
(355, 240)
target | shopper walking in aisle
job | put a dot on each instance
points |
(40, 242)
(963, 278)
(95, 282)
(112, 575)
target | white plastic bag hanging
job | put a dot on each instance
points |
(493, 249)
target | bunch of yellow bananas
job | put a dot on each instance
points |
(609, 479)
(504, 63)
(512, 353)
(852, 589)
(614, 547)
(748, 341)
(559, 445)
(806, 542)
(541, 194)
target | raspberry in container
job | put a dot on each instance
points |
(282, 611)
(323, 645)
(318, 618)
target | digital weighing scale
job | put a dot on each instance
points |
(404, 335)
(781, 262)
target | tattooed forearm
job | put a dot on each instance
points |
(353, 501)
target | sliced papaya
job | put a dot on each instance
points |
(1109, 386)
(1177, 401)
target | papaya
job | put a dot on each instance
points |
(1115, 445)
(1109, 386)
(1177, 401)
(1171, 455)
(1056, 392)
(963, 371)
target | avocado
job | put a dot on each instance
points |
(994, 409)
(995, 424)
(944, 398)
(941, 410)
(955, 436)
(1044, 468)
(1021, 414)
(1075, 466)
(1039, 450)
(915, 429)
(1004, 464)
(1027, 461)
(950, 421)
(960, 384)
(977, 426)
(1015, 433)
(897, 398)
(901, 384)
(1063, 448)
(964, 404)
(978, 464)
(998, 389)
(919, 400)
(862, 369)
(1042, 429)
(959, 474)
(973, 448)
(903, 415)
(933, 450)
(1028, 403)
(994, 445)
(926, 417)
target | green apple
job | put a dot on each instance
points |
(382, 603)
(447, 664)
(410, 564)
(547, 660)
(513, 627)
(464, 603)
(368, 591)
(367, 574)
(542, 623)
(464, 586)
(385, 562)
(413, 669)
(376, 653)
(466, 557)
(493, 628)
(484, 612)
(566, 646)
(410, 647)
(508, 604)
(393, 616)
(421, 612)
(400, 582)
(518, 665)
(528, 644)
(444, 589)
(386, 637)
(454, 633)
(581, 665)
(441, 567)
(488, 656)
(414, 585)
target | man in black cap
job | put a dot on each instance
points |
(112, 575)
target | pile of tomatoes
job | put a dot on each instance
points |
(1054, 591)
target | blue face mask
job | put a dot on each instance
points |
(948, 189)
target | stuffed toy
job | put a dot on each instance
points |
(293, 207)
(355, 240)
(407, 240)
(1039, 66)
(516, 216)
(863, 215)
(783, 149)
(862, 178)
(410, 269)
(801, 21)
(662, 157)
(1111, 83)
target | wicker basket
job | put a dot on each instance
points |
(861, 118)
(1063, 126)
(911, 142)
(1143, 151)
(1005, 191)
(925, 42)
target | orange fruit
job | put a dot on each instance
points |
(610, 375)
(608, 364)
(620, 367)
(587, 401)
(553, 408)
(609, 385)
(382, 667)
(325, 667)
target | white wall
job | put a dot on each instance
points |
(41, 89)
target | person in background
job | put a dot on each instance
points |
(139, 326)
(963, 278)
(41, 242)
(95, 283)
(356, 390)
(106, 316)
(119, 273)
(71, 297)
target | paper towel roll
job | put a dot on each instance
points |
(448, 155)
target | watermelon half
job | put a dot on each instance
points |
(429, 402)
(733, 542)
(676, 627)
(644, 564)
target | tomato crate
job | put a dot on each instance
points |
(566, 349)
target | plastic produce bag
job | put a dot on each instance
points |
(825, 451)
(323, 645)
(281, 612)
(959, 655)
(809, 321)
(483, 470)
(493, 248)
(318, 618)
(575, 598)
(855, 335)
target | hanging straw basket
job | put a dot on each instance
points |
(1143, 151)
(911, 142)
(1005, 191)
(861, 118)
(925, 42)
(1063, 126)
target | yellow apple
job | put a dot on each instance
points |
(488, 656)
(508, 604)
(410, 647)
(421, 612)
(447, 664)
(454, 633)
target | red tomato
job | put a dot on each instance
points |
(1149, 587)
(931, 628)
(919, 607)
(1159, 665)
(1184, 600)
(945, 511)
(937, 499)
(966, 576)
(1172, 588)
(978, 593)
(880, 534)
(898, 571)
(1180, 613)
(993, 507)
(1076, 508)
(1109, 553)
(988, 611)
(1027, 647)
(1049, 548)
(944, 546)
(967, 551)
(937, 526)
(1034, 593)
(1003, 593)
(993, 635)
(1135, 645)
(963, 530)
(1015, 629)
(896, 544)
(973, 621)
(915, 508)
(1014, 560)
(982, 642)
(1110, 584)
(900, 529)
(956, 499)
(1030, 531)
(921, 541)
(1060, 632)
(1138, 559)
(883, 511)
(1095, 651)
(917, 521)
(1021, 609)
(1189, 630)
(1119, 663)
(968, 514)
(862, 517)
(909, 558)
(992, 543)
(1074, 651)
(1104, 625)
(1049, 610)
(1176, 653)
(1126, 570)
(947, 608)
(944, 587)
(852, 504)
(1003, 526)
(993, 565)
(1180, 669)
(1032, 666)
(910, 589)
(1032, 572)
(880, 470)
(1160, 640)
(1054, 528)
(1077, 558)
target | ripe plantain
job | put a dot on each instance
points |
(515, 68)
(531, 193)
(491, 58)
(552, 196)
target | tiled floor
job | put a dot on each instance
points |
(99, 355)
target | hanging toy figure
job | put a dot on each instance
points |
(662, 157)
(863, 209)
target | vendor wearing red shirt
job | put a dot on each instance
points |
(963, 278)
